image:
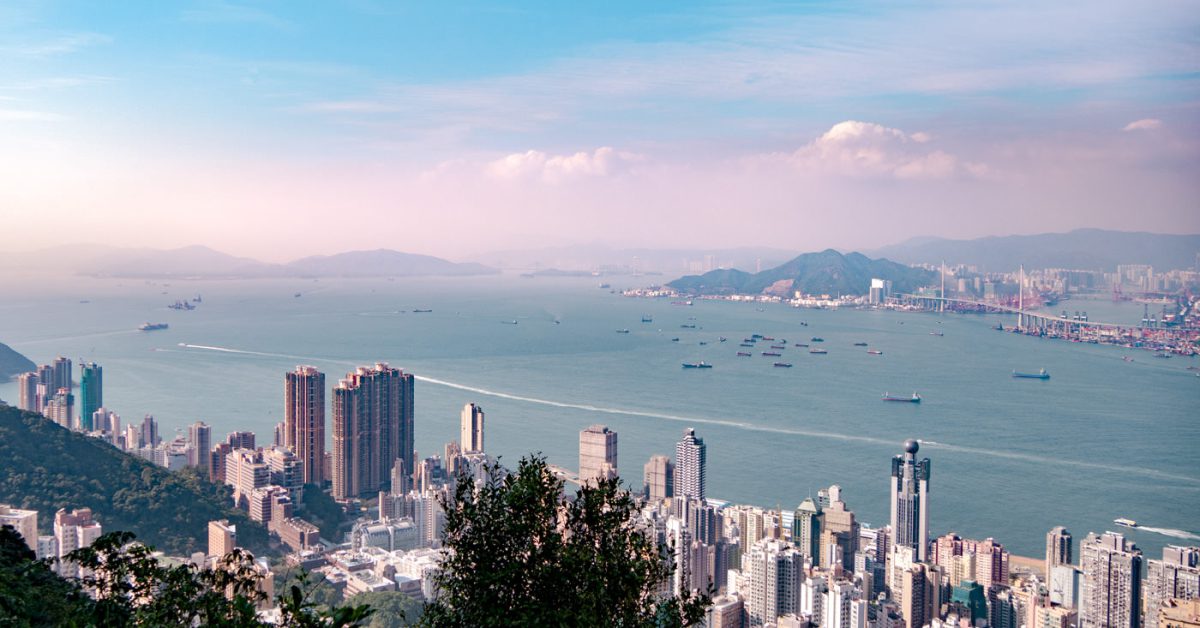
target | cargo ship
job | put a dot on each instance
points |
(743, 354)
(697, 365)
(783, 365)
(772, 354)
(818, 351)
(622, 331)
(874, 352)
(152, 326)
(860, 344)
(647, 319)
(915, 398)
(1041, 374)
(816, 339)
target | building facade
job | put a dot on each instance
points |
(910, 501)
(304, 419)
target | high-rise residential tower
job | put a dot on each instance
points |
(61, 408)
(690, 463)
(773, 571)
(910, 501)
(27, 385)
(471, 429)
(23, 521)
(597, 454)
(200, 435)
(304, 419)
(372, 427)
(1059, 549)
(1111, 593)
(91, 393)
(658, 475)
(1175, 577)
(63, 374)
(806, 530)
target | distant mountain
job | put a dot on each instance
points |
(204, 262)
(379, 263)
(827, 272)
(13, 363)
(1083, 249)
(47, 467)
(610, 260)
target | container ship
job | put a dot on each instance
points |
(697, 365)
(152, 326)
(1041, 374)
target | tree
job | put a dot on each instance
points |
(31, 594)
(392, 608)
(519, 553)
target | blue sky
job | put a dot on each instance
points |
(277, 128)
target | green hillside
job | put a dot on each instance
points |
(827, 272)
(46, 467)
(13, 363)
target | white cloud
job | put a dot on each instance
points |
(1145, 124)
(604, 161)
(23, 115)
(855, 148)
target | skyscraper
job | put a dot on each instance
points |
(149, 431)
(910, 501)
(372, 427)
(658, 475)
(304, 419)
(63, 374)
(472, 429)
(1176, 576)
(1059, 549)
(597, 453)
(27, 384)
(773, 571)
(91, 393)
(690, 463)
(200, 435)
(1111, 595)
(806, 530)
(61, 408)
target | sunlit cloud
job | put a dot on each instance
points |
(1145, 124)
(535, 164)
(866, 149)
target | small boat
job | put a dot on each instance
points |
(874, 352)
(688, 302)
(749, 339)
(768, 338)
(1128, 523)
(936, 333)
(1041, 374)
(512, 322)
(421, 311)
(860, 344)
(816, 339)
(647, 319)
(605, 286)
(622, 331)
(743, 354)
(818, 351)
(783, 365)
(1127, 358)
(915, 398)
(1162, 354)
(771, 354)
(723, 339)
(688, 326)
(697, 365)
(296, 296)
(675, 340)
(152, 326)
(778, 347)
(703, 342)
(196, 299)
(756, 336)
(801, 344)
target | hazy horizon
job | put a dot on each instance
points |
(263, 131)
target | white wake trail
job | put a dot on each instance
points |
(1179, 534)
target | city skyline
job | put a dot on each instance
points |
(837, 126)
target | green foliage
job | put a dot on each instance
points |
(392, 608)
(47, 467)
(521, 554)
(128, 586)
(321, 510)
(827, 272)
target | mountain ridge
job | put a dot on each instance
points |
(824, 272)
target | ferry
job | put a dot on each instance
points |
(936, 333)
(874, 352)
(743, 354)
(818, 351)
(915, 398)
(152, 326)
(1041, 374)
(1128, 523)
(783, 365)
(622, 331)
(697, 365)
(772, 354)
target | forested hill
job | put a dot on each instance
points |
(46, 467)
(826, 272)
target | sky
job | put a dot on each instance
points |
(281, 129)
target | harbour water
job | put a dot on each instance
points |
(1103, 438)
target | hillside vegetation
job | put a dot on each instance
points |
(827, 272)
(47, 467)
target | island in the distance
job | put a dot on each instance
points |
(826, 272)
(13, 363)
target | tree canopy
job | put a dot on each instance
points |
(519, 553)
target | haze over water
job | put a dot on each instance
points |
(1103, 438)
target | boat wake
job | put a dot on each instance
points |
(744, 425)
(1172, 532)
